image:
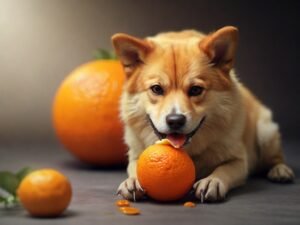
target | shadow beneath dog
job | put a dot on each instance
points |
(254, 184)
(77, 165)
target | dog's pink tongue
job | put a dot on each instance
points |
(177, 140)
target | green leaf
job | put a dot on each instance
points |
(104, 54)
(9, 201)
(23, 173)
(2, 199)
(113, 55)
(9, 182)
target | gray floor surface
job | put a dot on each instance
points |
(258, 202)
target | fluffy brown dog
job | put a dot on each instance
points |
(181, 86)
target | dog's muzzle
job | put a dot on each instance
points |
(176, 135)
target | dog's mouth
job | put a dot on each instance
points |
(176, 139)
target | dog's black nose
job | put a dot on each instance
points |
(175, 121)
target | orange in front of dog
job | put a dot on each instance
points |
(164, 172)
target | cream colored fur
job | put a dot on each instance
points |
(238, 136)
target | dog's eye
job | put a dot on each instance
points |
(195, 91)
(157, 89)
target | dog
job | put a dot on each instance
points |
(182, 86)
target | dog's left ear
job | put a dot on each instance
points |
(220, 47)
(131, 51)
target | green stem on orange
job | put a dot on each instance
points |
(104, 54)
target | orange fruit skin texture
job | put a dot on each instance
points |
(45, 193)
(86, 113)
(165, 173)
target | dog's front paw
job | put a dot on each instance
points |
(210, 189)
(131, 189)
(281, 173)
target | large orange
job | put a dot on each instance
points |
(45, 192)
(166, 173)
(86, 115)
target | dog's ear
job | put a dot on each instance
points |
(130, 50)
(220, 47)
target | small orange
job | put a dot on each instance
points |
(45, 193)
(86, 113)
(165, 173)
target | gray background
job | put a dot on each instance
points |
(42, 41)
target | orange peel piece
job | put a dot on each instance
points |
(163, 142)
(130, 210)
(189, 204)
(122, 203)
